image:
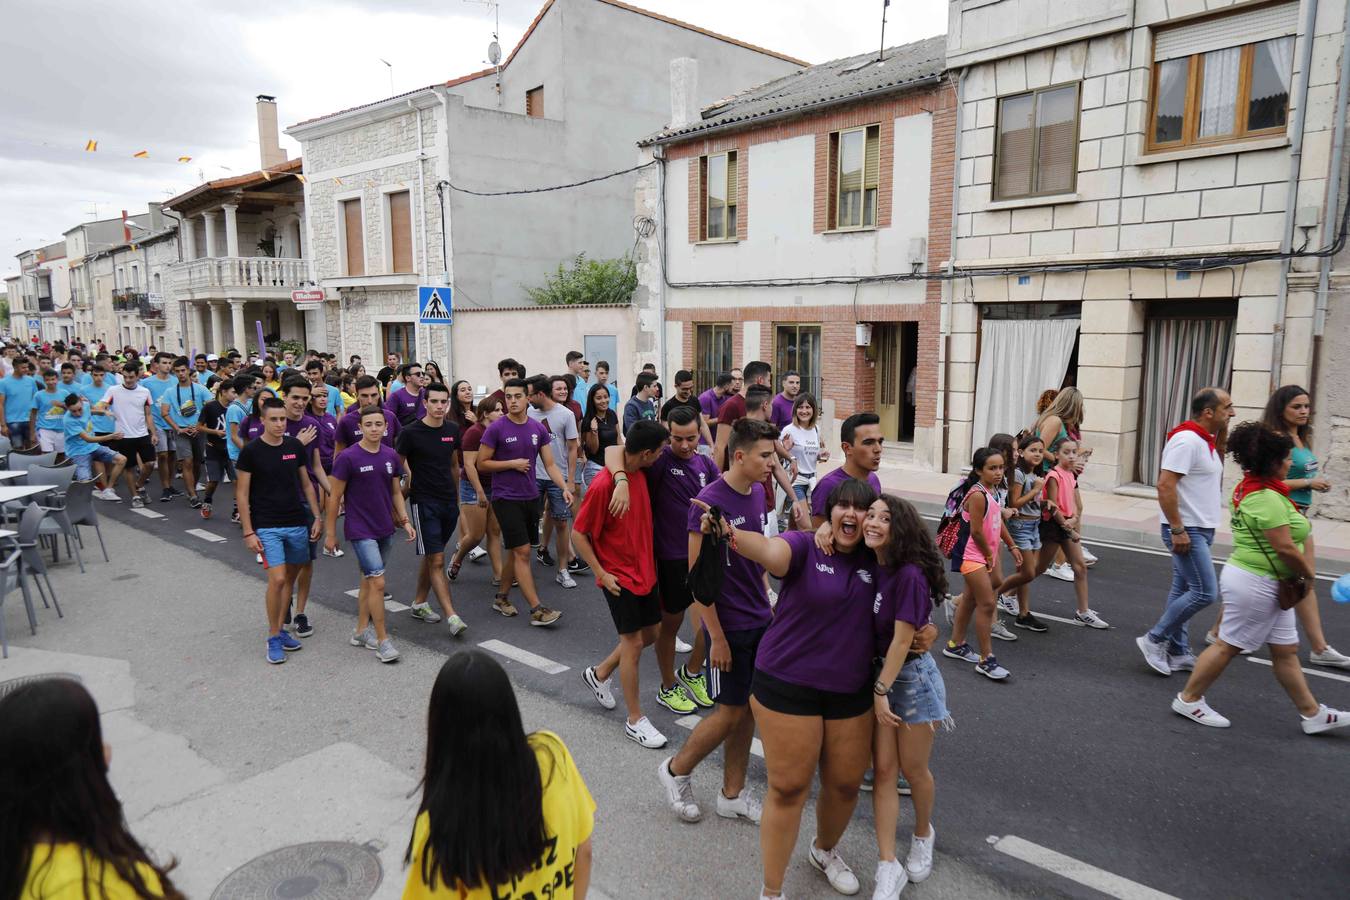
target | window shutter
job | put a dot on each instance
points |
(731, 178)
(872, 158)
(1057, 148)
(353, 226)
(1015, 140)
(400, 232)
(1227, 31)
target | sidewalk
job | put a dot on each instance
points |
(1109, 517)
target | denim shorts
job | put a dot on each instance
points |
(18, 433)
(552, 496)
(919, 695)
(285, 546)
(370, 554)
(589, 471)
(801, 489)
(84, 465)
(1026, 533)
(467, 495)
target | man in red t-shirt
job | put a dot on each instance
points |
(620, 553)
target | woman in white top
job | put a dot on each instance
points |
(805, 446)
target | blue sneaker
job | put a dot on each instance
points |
(962, 652)
(288, 642)
(275, 654)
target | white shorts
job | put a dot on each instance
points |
(51, 441)
(1251, 611)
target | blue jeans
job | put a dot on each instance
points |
(1194, 586)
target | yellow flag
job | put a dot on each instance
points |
(185, 159)
(90, 146)
(141, 154)
(301, 177)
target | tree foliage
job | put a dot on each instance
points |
(587, 282)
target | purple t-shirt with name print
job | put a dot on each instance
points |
(405, 405)
(744, 603)
(672, 481)
(821, 636)
(369, 505)
(511, 441)
(903, 595)
(820, 496)
(350, 428)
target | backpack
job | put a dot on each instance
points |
(951, 525)
(705, 577)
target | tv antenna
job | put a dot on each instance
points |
(881, 53)
(494, 51)
(390, 66)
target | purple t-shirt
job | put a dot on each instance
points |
(743, 604)
(672, 481)
(511, 441)
(903, 595)
(327, 440)
(251, 428)
(821, 636)
(711, 404)
(821, 495)
(405, 405)
(350, 428)
(369, 505)
(781, 414)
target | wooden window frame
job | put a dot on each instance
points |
(534, 102)
(996, 193)
(733, 185)
(1190, 122)
(836, 179)
(344, 263)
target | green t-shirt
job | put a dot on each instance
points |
(1262, 510)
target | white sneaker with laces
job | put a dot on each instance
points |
(1183, 663)
(679, 792)
(457, 625)
(1329, 657)
(1008, 604)
(836, 871)
(742, 806)
(891, 880)
(386, 653)
(1091, 619)
(681, 646)
(1326, 719)
(1200, 712)
(565, 580)
(644, 734)
(1062, 571)
(919, 863)
(365, 638)
(1154, 654)
(476, 554)
(1000, 631)
(1088, 559)
(603, 695)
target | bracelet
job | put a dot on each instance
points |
(623, 475)
(880, 689)
(250, 534)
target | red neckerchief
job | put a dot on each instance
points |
(1190, 426)
(1252, 483)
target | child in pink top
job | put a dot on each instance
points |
(1060, 519)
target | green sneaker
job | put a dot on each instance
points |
(696, 686)
(424, 612)
(675, 699)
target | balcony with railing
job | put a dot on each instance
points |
(239, 278)
(129, 300)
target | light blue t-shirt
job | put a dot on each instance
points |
(92, 395)
(185, 403)
(18, 392)
(237, 413)
(156, 387)
(51, 408)
(75, 429)
(394, 386)
(334, 402)
(203, 377)
(579, 395)
(83, 378)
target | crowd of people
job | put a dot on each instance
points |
(810, 597)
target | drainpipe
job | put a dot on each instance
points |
(1291, 195)
(1333, 202)
(949, 287)
(421, 214)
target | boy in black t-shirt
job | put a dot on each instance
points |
(212, 424)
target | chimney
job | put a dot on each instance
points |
(684, 108)
(269, 146)
(156, 216)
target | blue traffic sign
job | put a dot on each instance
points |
(435, 305)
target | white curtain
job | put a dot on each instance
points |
(1019, 358)
(1282, 57)
(1218, 101)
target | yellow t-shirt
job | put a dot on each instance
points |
(58, 872)
(569, 815)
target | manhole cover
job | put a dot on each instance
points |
(323, 870)
(14, 684)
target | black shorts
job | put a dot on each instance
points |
(672, 578)
(519, 521)
(139, 449)
(633, 612)
(733, 688)
(434, 521)
(1052, 533)
(795, 700)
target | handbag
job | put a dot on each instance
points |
(1289, 591)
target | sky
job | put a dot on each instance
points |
(179, 79)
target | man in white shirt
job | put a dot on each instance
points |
(1190, 495)
(130, 406)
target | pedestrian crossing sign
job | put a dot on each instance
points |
(435, 305)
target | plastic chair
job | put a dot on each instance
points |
(80, 511)
(32, 561)
(53, 502)
(5, 447)
(10, 569)
(22, 462)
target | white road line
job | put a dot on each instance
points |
(206, 535)
(1046, 615)
(148, 513)
(534, 660)
(1333, 676)
(691, 722)
(1098, 879)
(389, 605)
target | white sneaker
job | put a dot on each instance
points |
(386, 653)
(742, 806)
(1154, 654)
(1326, 719)
(565, 580)
(1210, 639)
(457, 625)
(1329, 657)
(644, 733)
(1183, 663)
(108, 494)
(476, 554)
(679, 792)
(334, 553)
(365, 638)
(1200, 711)
(891, 880)
(1091, 619)
(603, 695)
(1000, 631)
(1063, 571)
(919, 863)
(1008, 603)
(681, 646)
(1088, 559)
(836, 871)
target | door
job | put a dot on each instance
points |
(889, 388)
(400, 338)
(601, 348)
(797, 349)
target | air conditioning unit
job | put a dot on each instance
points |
(863, 334)
(918, 251)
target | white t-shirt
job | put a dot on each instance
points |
(1200, 489)
(128, 409)
(805, 449)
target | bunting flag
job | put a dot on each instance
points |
(90, 146)
(185, 159)
(301, 177)
(337, 181)
(141, 154)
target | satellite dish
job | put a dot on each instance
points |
(494, 53)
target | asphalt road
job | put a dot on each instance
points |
(1078, 752)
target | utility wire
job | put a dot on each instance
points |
(556, 187)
